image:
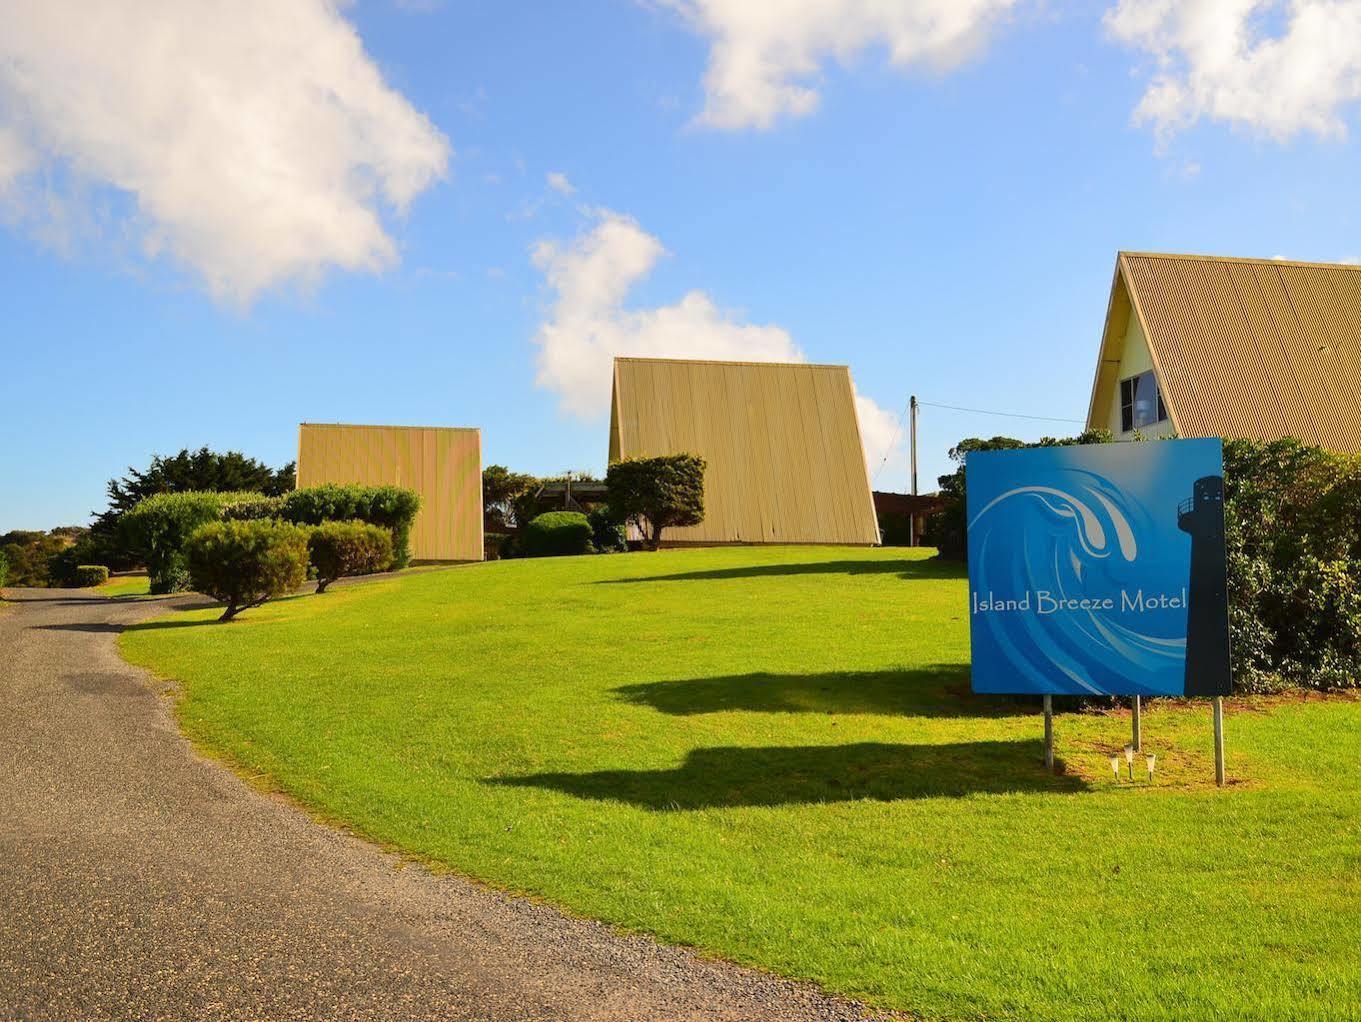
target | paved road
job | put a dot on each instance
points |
(140, 881)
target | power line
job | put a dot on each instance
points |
(897, 430)
(1006, 415)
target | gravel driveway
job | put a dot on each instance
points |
(140, 881)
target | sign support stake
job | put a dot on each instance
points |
(1049, 733)
(1219, 740)
(1138, 726)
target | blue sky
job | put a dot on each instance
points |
(225, 248)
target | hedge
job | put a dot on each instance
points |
(157, 528)
(557, 534)
(255, 508)
(243, 564)
(340, 549)
(87, 576)
(391, 507)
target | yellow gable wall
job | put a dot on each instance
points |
(1134, 359)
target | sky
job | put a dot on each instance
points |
(218, 220)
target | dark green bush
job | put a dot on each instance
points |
(657, 493)
(255, 508)
(339, 549)
(87, 576)
(1292, 516)
(557, 534)
(243, 564)
(390, 507)
(4, 570)
(157, 528)
(607, 531)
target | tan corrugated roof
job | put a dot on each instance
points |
(781, 442)
(1254, 348)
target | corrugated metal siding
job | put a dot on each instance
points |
(782, 445)
(443, 465)
(1253, 348)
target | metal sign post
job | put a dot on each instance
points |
(1138, 729)
(1049, 733)
(1219, 740)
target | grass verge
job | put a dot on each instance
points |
(772, 754)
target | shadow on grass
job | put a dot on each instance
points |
(738, 776)
(908, 569)
(936, 690)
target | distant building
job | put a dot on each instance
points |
(443, 465)
(1239, 348)
(785, 463)
(903, 516)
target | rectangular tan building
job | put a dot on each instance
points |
(443, 465)
(785, 463)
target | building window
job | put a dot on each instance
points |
(1140, 403)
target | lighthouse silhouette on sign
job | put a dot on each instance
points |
(1207, 621)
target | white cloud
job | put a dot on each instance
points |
(257, 141)
(557, 181)
(588, 324)
(766, 55)
(1274, 68)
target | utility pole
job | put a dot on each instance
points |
(912, 430)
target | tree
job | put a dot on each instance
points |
(31, 554)
(503, 492)
(340, 549)
(657, 493)
(947, 528)
(243, 564)
(201, 470)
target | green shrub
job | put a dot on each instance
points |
(390, 507)
(338, 549)
(157, 528)
(657, 493)
(557, 534)
(607, 531)
(254, 508)
(30, 554)
(87, 576)
(1292, 517)
(243, 564)
(4, 570)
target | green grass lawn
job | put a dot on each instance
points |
(773, 755)
(125, 585)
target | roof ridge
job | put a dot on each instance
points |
(731, 362)
(1237, 259)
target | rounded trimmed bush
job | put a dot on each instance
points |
(557, 534)
(243, 564)
(87, 576)
(338, 549)
(157, 528)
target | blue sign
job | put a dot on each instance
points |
(1099, 569)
